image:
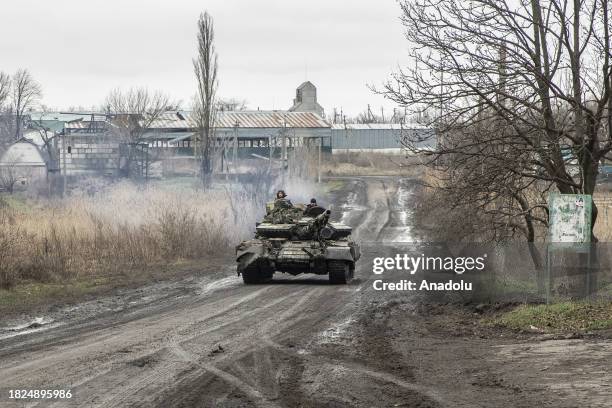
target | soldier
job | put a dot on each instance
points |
(310, 207)
(313, 203)
(281, 200)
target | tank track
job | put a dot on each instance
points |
(340, 272)
(252, 275)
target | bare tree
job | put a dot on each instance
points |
(134, 110)
(132, 113)
(48, 138)
(6, 131)
(5, 89)
(205, 69)
(9, 175)
(537, 72)
(26, 93)
(232, 104)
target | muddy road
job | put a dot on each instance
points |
(295, 342)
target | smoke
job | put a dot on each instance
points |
(299, 190)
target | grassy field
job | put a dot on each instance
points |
(122, 230)
(371, 164)
(31, 296)
(558, 317)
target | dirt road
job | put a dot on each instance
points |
(295, 342)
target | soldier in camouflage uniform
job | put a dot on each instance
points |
(283, 211)
(281, 200)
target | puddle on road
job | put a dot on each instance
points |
(208, 287)
(127, 301)
(336, 333)
(36, 325)
(400, 229)
(349, 206)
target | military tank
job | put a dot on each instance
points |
(295, 240)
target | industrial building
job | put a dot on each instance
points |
(86, 143)
(258, 131)
(379, 137)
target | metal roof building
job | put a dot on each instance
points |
(251, 128)
(379, 136)
(23, 153)
(58, 121)
(184, 121)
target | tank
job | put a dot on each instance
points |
(296, 240)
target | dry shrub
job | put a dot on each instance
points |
(467, 215)
(12, 242)
(372, 163)
(115, 230)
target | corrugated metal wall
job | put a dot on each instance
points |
(377, 138)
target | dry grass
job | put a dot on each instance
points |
(558, 317)
(121, 230)
(366, 164)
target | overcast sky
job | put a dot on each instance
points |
(79, 50)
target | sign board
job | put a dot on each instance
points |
(570, 218)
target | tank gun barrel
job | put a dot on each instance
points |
(321, 220)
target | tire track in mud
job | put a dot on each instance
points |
(276, 324)
(388, 212)
(355, 208)
(97, 340)
(162, 371)
(318, 357)
(350, 365)
(83, 330)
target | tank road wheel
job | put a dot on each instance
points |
(339, 272)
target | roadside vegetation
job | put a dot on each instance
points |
(520, 99)
(119, 231)
(370, 164)
(558, 317)
(515, 278)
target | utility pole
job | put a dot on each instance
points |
(64, 163)
(283, 150)
(319, 165)
(441, 90)
(401, 138)
(270, 154)
(235, 152)
(223, 164)
(290, 156)
(147, 164)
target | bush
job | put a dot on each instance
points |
(120, 229)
